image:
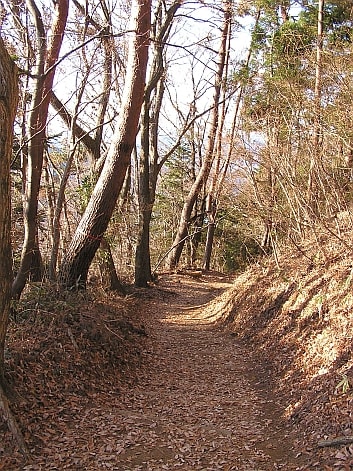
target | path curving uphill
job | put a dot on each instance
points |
(197, 403)
(196, 406)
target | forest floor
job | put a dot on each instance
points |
(150, 382)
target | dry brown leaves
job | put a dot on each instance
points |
(298, 317)
(96, 394)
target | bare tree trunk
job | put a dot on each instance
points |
(148, 156)
(86, 240)
(312, 195)
(109, 277)
(47, 57)
(201, 179)
(37, 268)
(220, 181)
(142, 255)
(211, 215)
(8, 106)
(211, 198)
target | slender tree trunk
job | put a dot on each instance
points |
(195, 237)
(86, 240)
(45, 71)
(148, 156)
(143, 272)
(57, 216)
(201, 179)
(211, 215)
(36, 269)
(142, 255)
(312, 195)
(211, 199)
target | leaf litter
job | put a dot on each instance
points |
(163, 388)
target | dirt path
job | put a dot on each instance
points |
(196, 407)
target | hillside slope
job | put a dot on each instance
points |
(296, 315)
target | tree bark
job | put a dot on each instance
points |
(212, 198)
(201, 179)
(86, 240)
(45, 71)
(148, 156)
(312, 195)
(211, 215)
(8, 105)
(109, 277)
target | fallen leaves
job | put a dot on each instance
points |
(97, 394)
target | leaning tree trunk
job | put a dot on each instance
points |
(47, 57)
(86, 240)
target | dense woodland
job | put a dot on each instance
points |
(143, 136)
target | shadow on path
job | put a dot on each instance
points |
(196, 406)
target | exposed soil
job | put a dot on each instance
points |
(197, 406)
(185, 396)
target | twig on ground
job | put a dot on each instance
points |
(336, 441)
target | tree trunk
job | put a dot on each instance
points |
(211, 216)
(211, 199)
(8, 105)
(109, 277)
(36, 269)
(143, 272)
(45, 71)
(195, 239)
(142, 255)
(219, 179)
(201, 179)
(312, 191)
(148, 156)
(86, 240)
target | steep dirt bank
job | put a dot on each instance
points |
(96, 393)
(297, 316)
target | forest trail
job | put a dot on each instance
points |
(194, 400)
(196, 405)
